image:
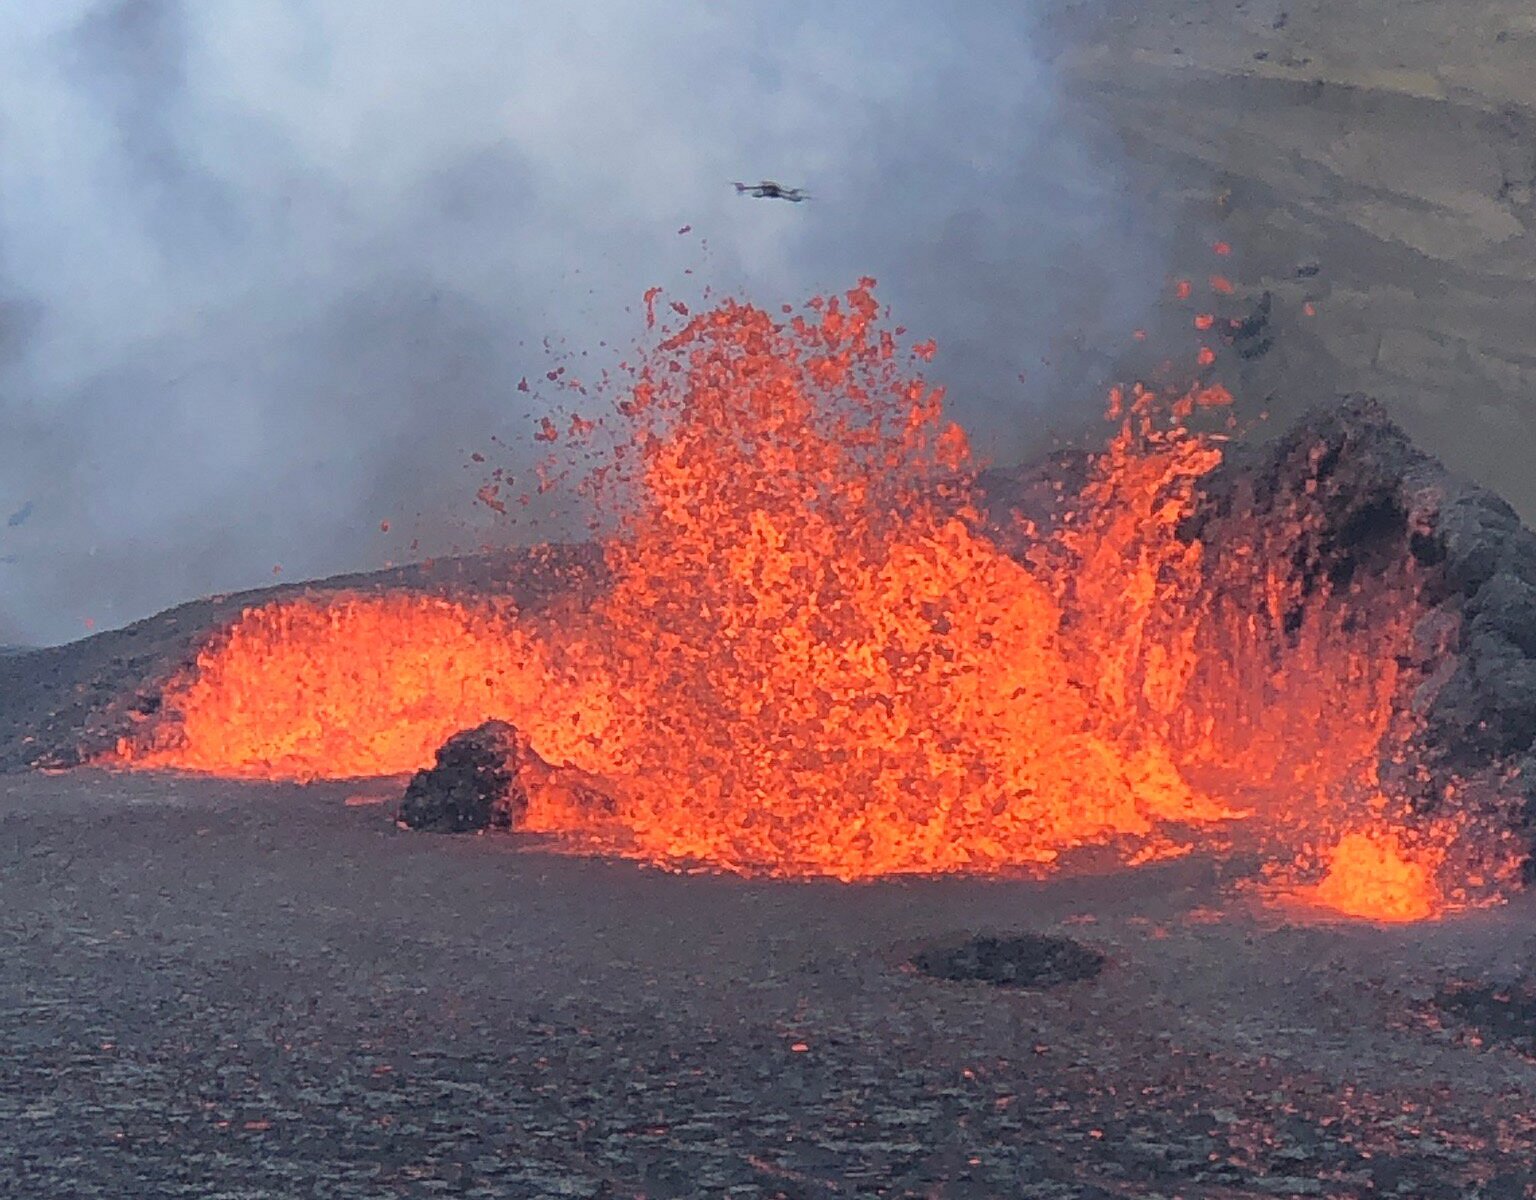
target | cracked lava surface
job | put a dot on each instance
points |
(212, 988)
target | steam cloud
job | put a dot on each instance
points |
(271, 269)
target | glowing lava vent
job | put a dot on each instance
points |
(814, 657)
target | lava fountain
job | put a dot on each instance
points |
(813, 655)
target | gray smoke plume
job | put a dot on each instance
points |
(271, 269)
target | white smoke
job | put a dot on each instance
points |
(271, 269)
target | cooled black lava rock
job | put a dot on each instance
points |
(1503, 1015)
(473, 785)
(1027, 960)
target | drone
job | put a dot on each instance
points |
(769, 190)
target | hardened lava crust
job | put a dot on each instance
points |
(220, 989)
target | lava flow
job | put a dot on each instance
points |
(1375, 875)
(814, 657)
(362, 685)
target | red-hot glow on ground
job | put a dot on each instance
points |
(813, 658)
(360, 686)
(1375, 876)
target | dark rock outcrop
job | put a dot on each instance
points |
(475, 783)
(487, 777)
(1344, 502)
(1370, 499)
(1038, 493)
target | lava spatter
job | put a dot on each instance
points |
(813, 657)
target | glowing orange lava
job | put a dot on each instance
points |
(814, 658)
(359, 685)
(1375, 876)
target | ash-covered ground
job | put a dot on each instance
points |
(220, 990)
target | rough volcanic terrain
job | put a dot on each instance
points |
(209, 989)
(1372, 498)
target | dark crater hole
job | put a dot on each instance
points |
(1027, 960)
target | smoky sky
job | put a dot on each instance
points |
(270, 270)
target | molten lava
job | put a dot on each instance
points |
(1373, 875)
(360, 685)
(814, 656)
